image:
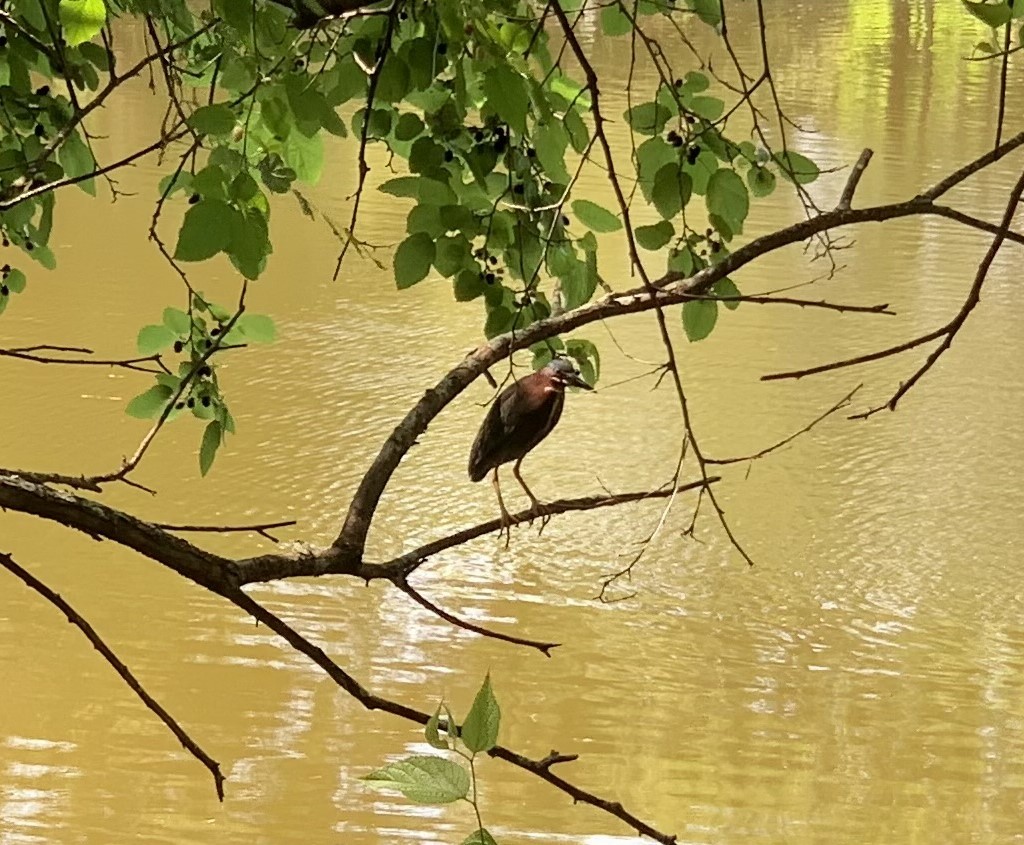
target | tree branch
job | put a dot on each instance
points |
(403, 584)
(152, 704)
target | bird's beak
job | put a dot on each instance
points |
(576, 381)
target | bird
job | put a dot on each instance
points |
(524, 414)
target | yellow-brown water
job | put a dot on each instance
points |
(862, 684)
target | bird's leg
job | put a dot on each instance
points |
(537, 507)
(506, 519)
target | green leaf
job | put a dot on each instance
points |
(614, 21)
(425, 780)
(594, 217)
(177, 321)
(647, 118)
(15, 280)
(306, 156)
(796, 168)
(695, 82)
(413, 259)
(761, 181)
(710, 108)
(154, 338)
(480, 837)
(507, 94)
(431, 733)
(709, 11)
(699, 318)
(993, 14)
(588, 357)
(76, 159)
(212, 438)
(81, 20)
(257, 327)
(550, 140)
(728, 198)
(480, 730)
(212, 120)
(656, 236)
(205, 231)
(672, 190)
(727, 287)
(149, 403)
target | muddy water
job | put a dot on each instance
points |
(861, 684)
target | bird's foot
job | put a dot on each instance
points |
(541, 510)
(506, 527)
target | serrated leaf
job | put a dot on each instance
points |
(699, 318)
(257, 327)
(993, 14)
(480, 730)
(306, 156)
(149, 403)
(425, 780)
(177, 321)
(728, 198)
(81, 20)
(796, 168)
(430, 732)
(479, 837)
(205, 231)
(413, 259)
(595, 217)
(212, 120)
(656, 236)
(212, 437)
(154, 338)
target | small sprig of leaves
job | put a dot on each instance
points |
(198, 335)
(432, 779)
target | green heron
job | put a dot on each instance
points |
(523, 414)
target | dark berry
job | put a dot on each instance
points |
(565, 220)
(517, 189)
(708, 233)
(403, 16)
(204, 371)
(5, 242)
(39, 130)
(3, 41)
(299, 64)
(29, 246)
(206, 401)
(178, 346)
(489, 278)
(499, 145)
(690, 118)
(442, 48)
(215, 331)
(448, 155)
(191, 402)
(499, 132)
(493, 259)
(531, 153)
(4, 290)
(180, 405)
(5, 270)
(207, 343)
(192, 200)
(692, 154)
(679, 83)
(478, 136)
(42, 90)
(715, 247)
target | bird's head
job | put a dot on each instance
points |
(562, 373)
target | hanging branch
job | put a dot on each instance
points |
(189, 744)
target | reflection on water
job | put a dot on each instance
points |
(863, 683)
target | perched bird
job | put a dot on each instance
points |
(523, 414)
